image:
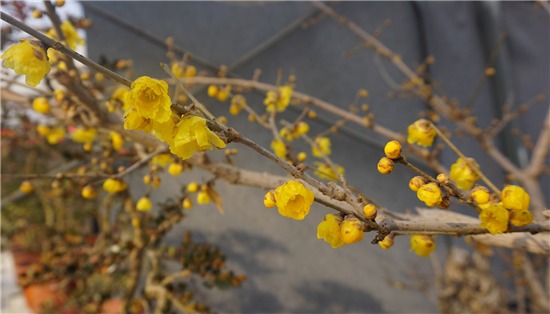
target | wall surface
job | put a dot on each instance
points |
(288, 269)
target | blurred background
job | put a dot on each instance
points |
(288, 270)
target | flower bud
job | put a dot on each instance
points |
(187, 204)
(515, 198)
(422, 133)
(156, 182)
(37, 13)
(302, 156)
(203, 197)
(147, 179)
(175, 168)
(430, 194)
(442, 178)
(222, 119)
(393, 149)
(369, 211)
(222, 95)
(387, 242)
(144, 204)
(481, 195)
(89, 192)
(422, 245)
(269, 200)
(311, 114)
(26, 187)
(521, 218)
(445, 201)
(193, 187)
(386, 165)
(41, 105)
(352, 230)
(416, 183)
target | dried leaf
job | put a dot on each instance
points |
(216, 198)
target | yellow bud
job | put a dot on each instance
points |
(442, 178)
(213, 90)
(352, 230)
(521, 218)
(154, 168)
(430, 194)
(369, 211)
(42, 130)
(269, 200)
(156, 182)
(85, 76)
(481, 195)
(386, 165)
(490, 71)
(251, 118)
(89, 192)
(41, 105)
(223, 120)
(104, 165)
(26, 187)
(87, 147)
(422, 245)
(190, 71)
(99, 77)
(303, 127)
(60, 3)
(203, 197)
(147, 179)
(416, 183)
(311, 114)
(136, 223)
(515, 198)
(144, 204)
(222, 95)
(363, 93)
(175, 168)
(387, 242)
(393, 149)
(302, 156)
(365, 107)
(182, 99)
(187, 204)
(37, 13)
(193, 187)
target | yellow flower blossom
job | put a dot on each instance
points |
(144, 204)
(203, 197)
(278, 100)
(521, 218)
(55, 135)
(279, 148)
(116, 139)
(150, 98)
(114, 185)
(41, 105)
(329, 230)
(82, 135)
(463, 174)
(133, 121)
(192, 135)
(299, 129)
(28, 58)
(293, 200)
(324, 146)
(515, 198)
(324, 171)
(351, 230)
(120, 94)
(161, 159)
(430, 194)
(494, 218)
(70, 33)
(422, 133)
(422, 245)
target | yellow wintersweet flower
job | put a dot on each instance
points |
(70, 33)
(293, 200)
(329, 230)
(324, 145)
(385, 165)
(165, 131)
(192, 135)
(150, 98)
(393, 149)
(324, 171)
(494, 218)
(162, 159)
(278, 100)
(116, 139)
(422, 245)
(203, 197)
(279, 148)
(55, 135)
(387, 242)
(299, 129)
(463, 174)
(515, 198)
(352, 230)
(144, 204)
(430, 194)
(41, 105)
(133, 121)
(521, 218)
(28, 58)
(269, 199)
(81, 135)
(421, 132)
(114, 185)
(120, 94)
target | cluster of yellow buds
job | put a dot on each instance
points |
(221, 93)
(292, 199)
(513, 208)
(393, 150)
(53, 135)
(278, 100)
(294, 132)
(238, 102)
(337, 231)
(150, 111)
(421, 132)
(181, 69)
(463, 174)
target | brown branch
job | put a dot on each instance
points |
(540, 152)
